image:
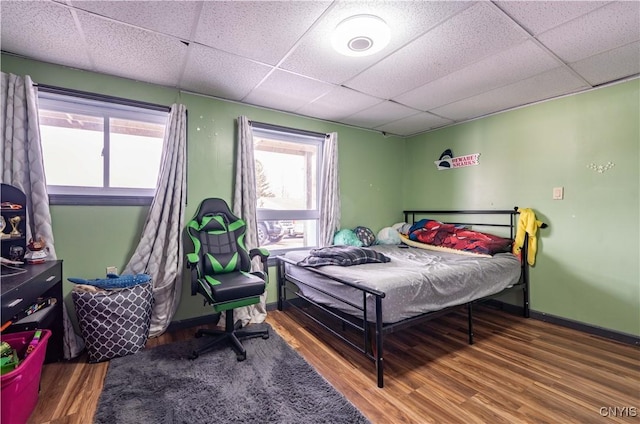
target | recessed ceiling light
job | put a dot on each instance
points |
(361, 35)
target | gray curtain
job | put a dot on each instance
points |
(22, 163)
(244, 206)
(329, 191)
(160, 251)
(22, 166)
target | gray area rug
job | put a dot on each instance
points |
(273, 385)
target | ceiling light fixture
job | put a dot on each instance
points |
(361, 35)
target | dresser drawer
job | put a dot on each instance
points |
(22, 290)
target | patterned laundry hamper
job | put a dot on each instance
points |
(114, 322)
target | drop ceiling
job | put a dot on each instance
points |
(447, 61)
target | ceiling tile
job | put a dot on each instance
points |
(467, 37)
(550, 84)
(506, 67)
(610, 66)
(129, 52)
(216, 73)
(414, 124)
(168, 17)
(52, 34)
(609, 27)
(263, 31)
(457, 60)
(338, 103)
(286, 91)
(379, 114)
(315, 56)
(540, 16)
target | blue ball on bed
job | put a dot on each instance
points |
(346, 237)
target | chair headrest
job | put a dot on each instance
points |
(214, 206)
(213, 224)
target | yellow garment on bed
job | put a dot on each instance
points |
(527, 224)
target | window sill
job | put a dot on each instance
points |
(106, 200)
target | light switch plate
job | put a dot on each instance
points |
(558, 193)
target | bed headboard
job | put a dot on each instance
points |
(505, 219)
(496, 218)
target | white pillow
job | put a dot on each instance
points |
(388, 235)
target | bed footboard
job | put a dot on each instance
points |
(371, 344)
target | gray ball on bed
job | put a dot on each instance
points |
(365, 235)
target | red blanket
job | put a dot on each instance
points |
(453, 237)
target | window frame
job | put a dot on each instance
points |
(292, 135)
(105, 107)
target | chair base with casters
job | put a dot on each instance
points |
(232, 334)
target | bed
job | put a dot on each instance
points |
(415, 285)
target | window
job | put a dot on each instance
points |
(98, 151)
(287, 165)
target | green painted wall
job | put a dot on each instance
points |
(587, 265)
(90, 238)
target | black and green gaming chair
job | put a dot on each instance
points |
(220, 271)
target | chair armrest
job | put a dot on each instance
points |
(260, 251)
(263, 254)
(192, 263)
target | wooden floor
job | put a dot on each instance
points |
(518, 371)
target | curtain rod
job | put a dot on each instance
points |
(100, 97)
(263, 125)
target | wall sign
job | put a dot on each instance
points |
(448, 161)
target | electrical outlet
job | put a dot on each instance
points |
(112, 270)
(558, 193)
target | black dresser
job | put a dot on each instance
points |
(22, 289)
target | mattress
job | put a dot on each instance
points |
(415, 281)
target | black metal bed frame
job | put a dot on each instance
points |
(362, 325)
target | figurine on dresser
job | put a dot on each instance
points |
(15, 221)
(37, 251)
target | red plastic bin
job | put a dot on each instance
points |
(20, 387)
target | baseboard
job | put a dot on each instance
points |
(504, 306)
(587, 328)
(296, 301)
(272, 306)
(204, 320)
(193, 322)
(569, 323)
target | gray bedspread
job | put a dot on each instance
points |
(415, 281)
